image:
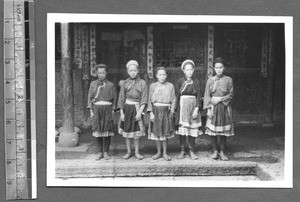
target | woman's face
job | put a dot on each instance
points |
(101, 72)
(219, 68)
(132, 71)
(188, 70)
(161, 75)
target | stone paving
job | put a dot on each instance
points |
(253, 151)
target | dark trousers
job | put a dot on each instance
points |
(103, 143)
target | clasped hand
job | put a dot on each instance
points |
(215, 100)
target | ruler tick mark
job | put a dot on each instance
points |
(15, 38)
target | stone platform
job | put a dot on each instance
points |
(254, 151)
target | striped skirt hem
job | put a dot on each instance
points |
(224, 133)
(194, 132)
(103, 134)
(151, 136)
(133, 135)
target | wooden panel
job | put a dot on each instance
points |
(135, 46)
(235, 47)
(248, 92)
(57, 42)
(77, 46)
(210, 50)
(279, 74)
(93, 54)
(173, 45)
(239, 45)
(116, 48)
(150, 52)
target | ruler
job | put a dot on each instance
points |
(19, 99)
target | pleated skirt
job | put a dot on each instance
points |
(102, 122)
(187, 126)
(162, 127)
(130, 128)
(221, 121)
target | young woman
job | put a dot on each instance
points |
(132, 101)
(188, 119)
(217, 101)
(161, 106)
(102, 99)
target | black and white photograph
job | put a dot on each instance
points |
(169, 101)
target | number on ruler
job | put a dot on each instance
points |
(8, 141)
(7, 42)
(8, 162)
(7, 62)
(20, 97)
(8, 122)
(8, 102)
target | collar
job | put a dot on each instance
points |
(104, 81)
(218, 77)
(135, 79)
(163, 84)
(192, 78)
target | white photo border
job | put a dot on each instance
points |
(53, 18)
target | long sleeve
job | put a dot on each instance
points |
(199, 98)
(90, 95)
(207, 96)
(115, 98)
(177, 94)
(173, 98)
(227, 99)
(149, 109)
(144, 93)
(121, 100)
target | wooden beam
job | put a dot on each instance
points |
(68, 137)
(67, 81)
(85, 70)
(210, 50)
(270, 78)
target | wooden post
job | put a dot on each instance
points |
(85, 71)
(93, 55)
(210, 50)
(150, 52)
(68, 137)
(270, 79)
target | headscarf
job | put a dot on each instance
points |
(132, 62)
(187, 62)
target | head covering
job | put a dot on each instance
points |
(161, 68)
(187, 62)
(132, 62)
(101, 66)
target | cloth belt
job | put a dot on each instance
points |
(129, 102)
(103, 103)
(188, 96)
(161, 104)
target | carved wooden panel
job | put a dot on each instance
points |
(235, 47)
(173, 46)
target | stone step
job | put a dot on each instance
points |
(76, 168)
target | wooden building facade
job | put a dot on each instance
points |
(255, 54)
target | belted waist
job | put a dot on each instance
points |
(161, 104)
(103, 103)
(188, 96)
(130, 102)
